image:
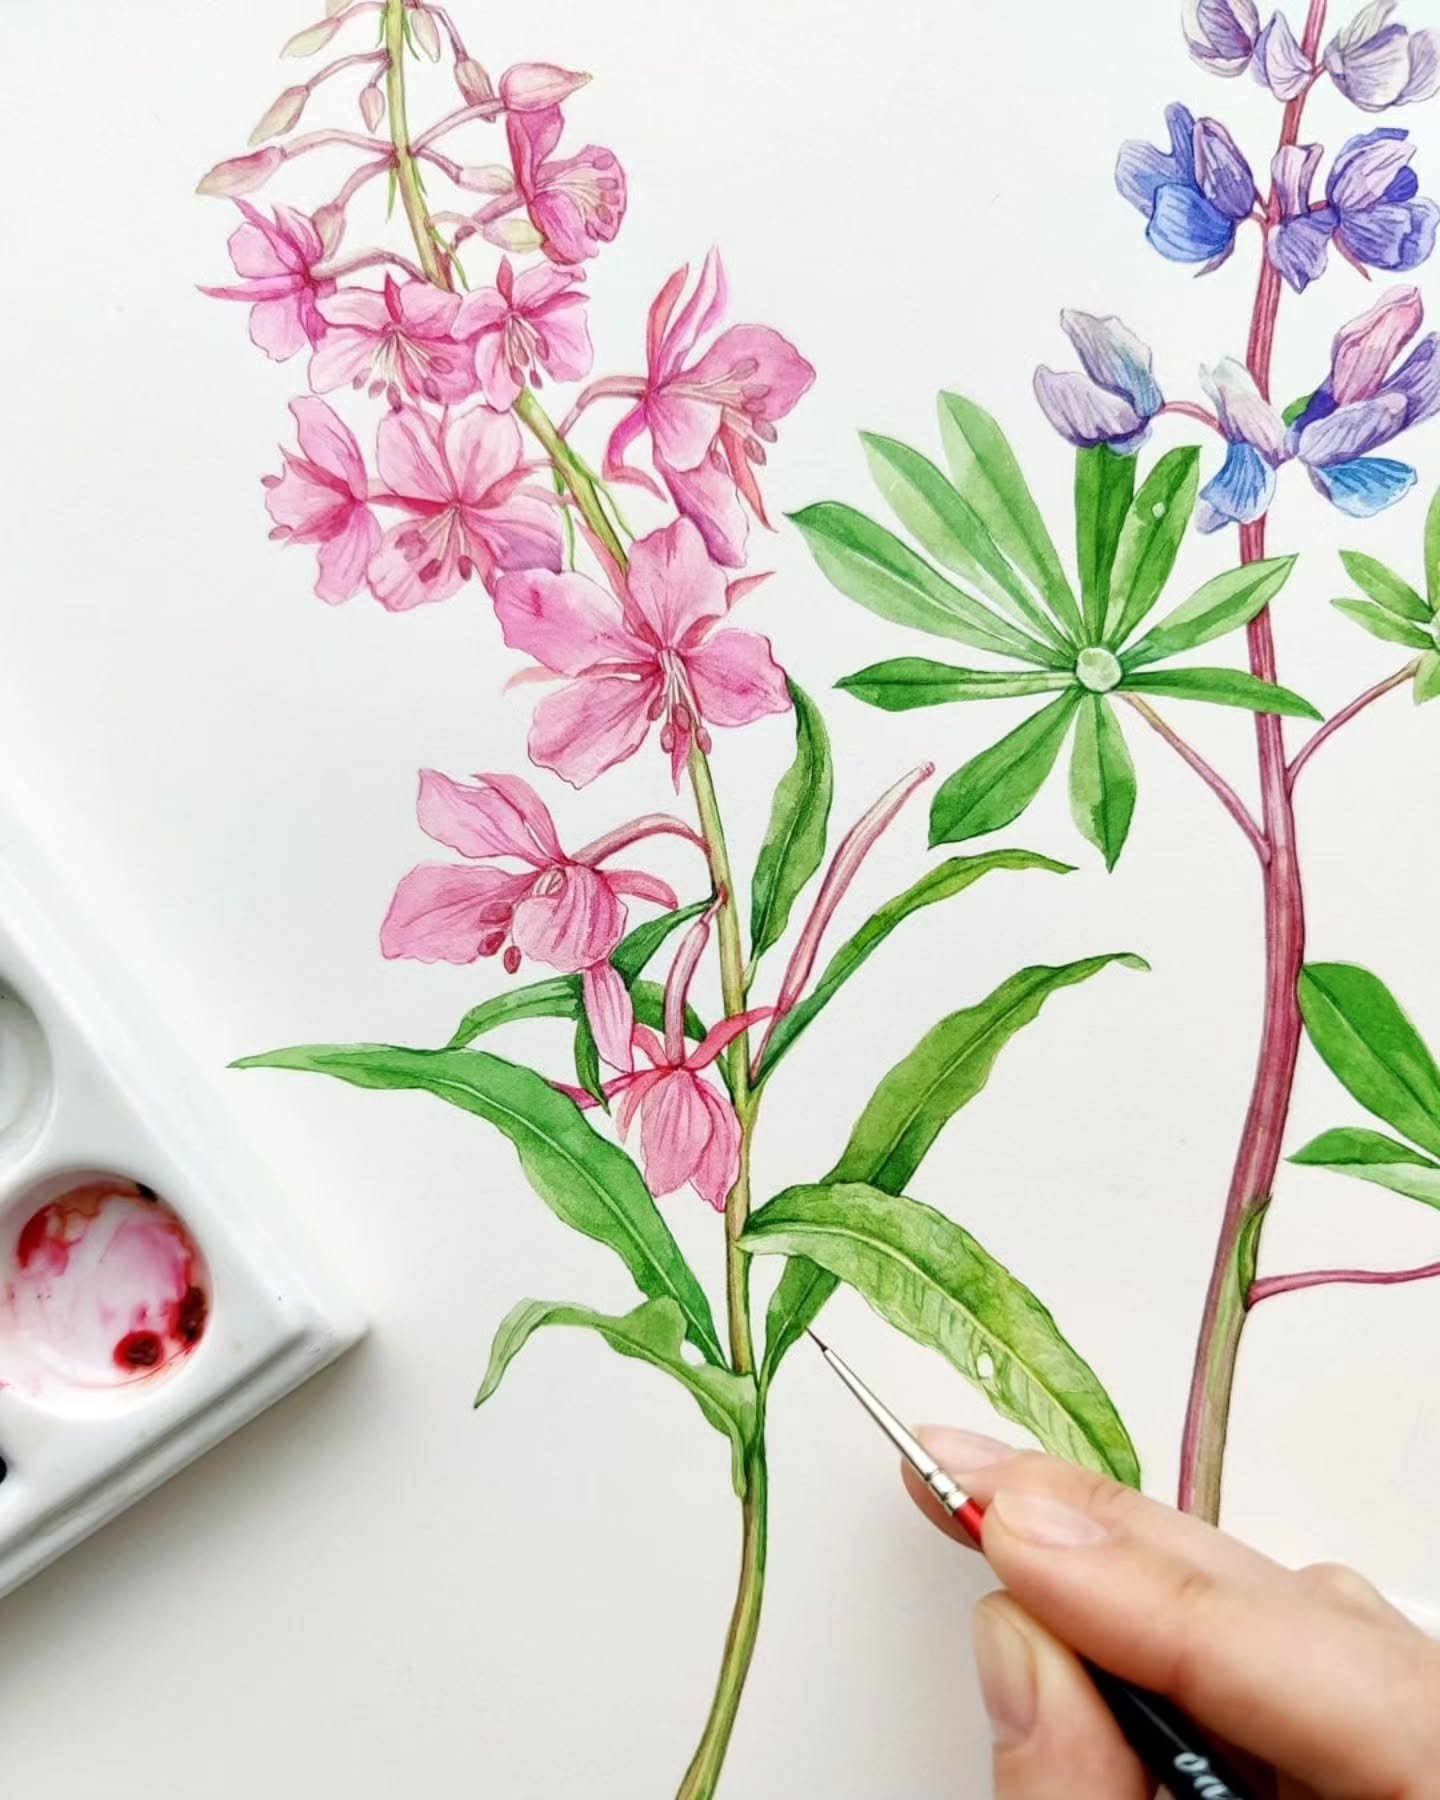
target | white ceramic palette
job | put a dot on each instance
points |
(152, 1296)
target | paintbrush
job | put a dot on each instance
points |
(1166, 1741)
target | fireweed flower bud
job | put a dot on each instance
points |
(312, 38)
(1280, 62)
(329, 223)
(1222, 34)
(486, 178)
(425, 32)
(241, 174)
(282, 115)
(530, 87)
(1377, 64)
(474, 84)
(372, 105)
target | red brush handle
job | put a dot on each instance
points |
(972, 1516)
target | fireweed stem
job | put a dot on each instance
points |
(703, 1775)
(1207, 1416)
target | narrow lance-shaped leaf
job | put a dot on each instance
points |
(794, 844)
(996, 786)
(938, 516)
(653, 1333)
(942, 882)
(1221, 687)
(1383, 624)
(587, 1182)
(1150, 540)
(1384, 586)
(1371, 1047)
(989, 477)
(1104, 488)
(1224, 604)
(1371, 1156)
(871, 566)
(800, 1294)
(1102, 779)
(911, 681)
(929, 1278)
(1432, 552)
(1427, 678)
(946, 1069)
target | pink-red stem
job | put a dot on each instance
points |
(1212, 777)
(1346, 714)
(1313, 1278)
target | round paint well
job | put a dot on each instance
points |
(105, 1292)
(25, 1075)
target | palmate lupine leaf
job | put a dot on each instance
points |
(1222, 605)
(1104, 491)
(1370, 1045)
(1150, 540)
(995, 787)
(1221, 687)
(1385, 587)
(1371, 1156)
(1102, 779)
(910, 681)
(1381, 623)
(1395, 612)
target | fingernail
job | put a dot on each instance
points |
(1049, 1523)
(962, 1452)
(1007, 1675)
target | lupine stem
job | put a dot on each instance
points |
(1207, 1418)
(1313, 1278)
(1212, 777)
(1347, 713)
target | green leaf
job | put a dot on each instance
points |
(938, 517)
(795, 842)
(945, 1070)
(653, 1333)
(996, 786)
(1104, 489)
(1371, 1047)
(929, 1278)
(1432, 552)
(1221, 687)
(1383, 624)
(588, 1074)
(871, 566)
(1427, 678)
(911, 681)
(1102, 779)
(587, 1182)
(799, 1296)
(1150, 540)
(1224, 604)
(1293, 411)
(1384, 586)
(989, 478)
(559, 997)
(946, 879)
(1371, 1156)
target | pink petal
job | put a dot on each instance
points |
(427, 311)
(736, 679)
(256, 250)
(1365, 348)
(330, 444)
(395, 569)
(435, 915)
(361, 308)
(577, 924)
(635, 1088)
(532, 136)
(721, 1036)
(615, 467)
(311, 510)
(568, 622)
(781, 376)
(707, 496)
(673, 584)
(590, 726)
(675, 1131)
(566, 352)
(485, 307)
(683, 426)
(277, 328)
(704, 309)
(409, 456)
(719, 1167)
(643, 887)
(561, 222)
(344, 558)
(522, 533)
(610, 1013)
(343, 356)
(501, 815)
(498, 382)
(534, 287)
(657, 324)
(299, 238)
(481, 446)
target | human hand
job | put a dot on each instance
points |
(1310, 1672)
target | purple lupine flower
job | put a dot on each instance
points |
(1372, 208)
(1222, 34)
(1280, 61)
(1377, 64)
(1364, 403)
(1195, 197)
(1245, 486)
(1115, 398)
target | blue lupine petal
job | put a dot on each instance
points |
(1240, 493)
(1221, 171)
(1141, 169)
(1300, 248)
(1115, 358)
(1405, 186)
(1391, 237)
(1365, 487)
(1084, 413)
(1365, 166)
(1418, 379)
(1186, 228)
(1351, 431)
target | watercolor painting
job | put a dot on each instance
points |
(612, 531)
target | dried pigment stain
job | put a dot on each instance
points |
(139, 1350)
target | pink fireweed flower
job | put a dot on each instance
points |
(397, 338)
(711, 418)
(321, 498)
(461, 479)
(647, 653)
(277, 261)
(522, 325)
(575, 203)
(689, 1133)
(561, 909)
